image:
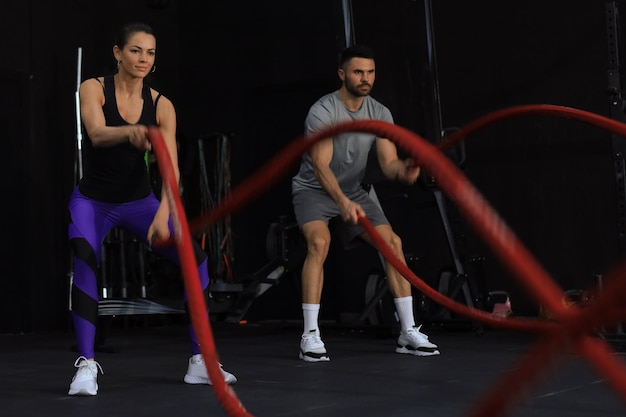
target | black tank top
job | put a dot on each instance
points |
(117, 174)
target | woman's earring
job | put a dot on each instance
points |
(118, 64)
(153, 69)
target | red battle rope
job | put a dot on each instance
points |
(571, 327)
(532, 109)
(189, 269)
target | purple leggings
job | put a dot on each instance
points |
(91, 221)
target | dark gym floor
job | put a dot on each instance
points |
(145, 366)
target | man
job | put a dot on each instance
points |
(328, 185)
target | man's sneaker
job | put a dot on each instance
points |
(85, 381)
(312, 348)
(197, 373)
(414, 342)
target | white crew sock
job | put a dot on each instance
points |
(310, 312)
(404, 308)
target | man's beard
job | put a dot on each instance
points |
(355, 91)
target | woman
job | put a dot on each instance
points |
(115, 189)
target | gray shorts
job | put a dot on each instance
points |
(312, 205)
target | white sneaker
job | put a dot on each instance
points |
(414, 342)
(85, 381)
(197, 373)
(312, 348)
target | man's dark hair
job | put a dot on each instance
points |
(356, 51)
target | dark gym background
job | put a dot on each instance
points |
(252, 69)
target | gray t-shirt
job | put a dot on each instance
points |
(350, 149)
